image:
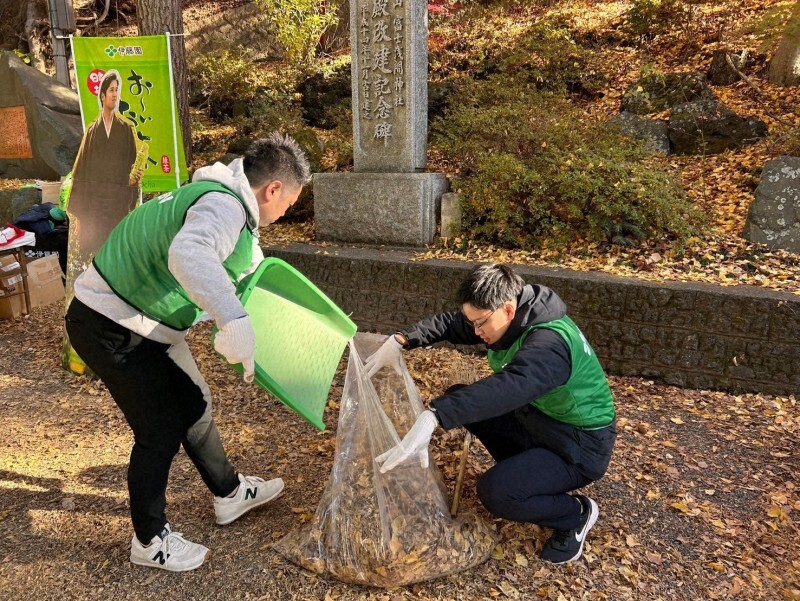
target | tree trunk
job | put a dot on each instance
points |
(784, 68)
(36, 18)
(156, 17)
(337, 37)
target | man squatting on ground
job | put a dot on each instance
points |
(546, 415)
(166, 263)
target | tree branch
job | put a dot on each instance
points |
(753, 85)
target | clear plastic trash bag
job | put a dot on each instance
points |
(389, 529)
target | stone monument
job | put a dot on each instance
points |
(388, 199)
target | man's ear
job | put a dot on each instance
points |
(510, 309)
(273, 189)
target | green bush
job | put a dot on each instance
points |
(222, 81)
(548, 57)
(649, 18)
(273, 105)
(533, 175)
(326, 97)
(544, 55)
(298, 24)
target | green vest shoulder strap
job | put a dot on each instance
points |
(585, 399)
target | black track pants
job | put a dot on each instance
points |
(166, 403)
(539, 460)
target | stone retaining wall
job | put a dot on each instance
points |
(739, 339)
(241, 27)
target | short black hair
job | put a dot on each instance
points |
(489, 286)
(278, 156)
(108, 77)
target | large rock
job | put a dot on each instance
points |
(784, 68)
(720, 73)
(53, 119)
(708, 127)
(654, 133)
(14, 203)
(774, 217)
(658, 91)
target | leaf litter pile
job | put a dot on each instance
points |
(701, 500)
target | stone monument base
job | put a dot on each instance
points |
(378, 208)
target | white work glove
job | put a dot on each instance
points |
(389, 353)
(236, 341)
(414, 443)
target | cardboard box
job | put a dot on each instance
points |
(11, 307)
(50, 192)
(44, 281)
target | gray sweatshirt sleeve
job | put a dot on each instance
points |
(207, 238)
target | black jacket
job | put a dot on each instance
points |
(541, 364)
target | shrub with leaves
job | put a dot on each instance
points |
(25, 57)
(543, 53)
(648, 18)
(220, 81)
(688, 22)
(298, 24)
(533, 175)
(548, 56)
(326, 97)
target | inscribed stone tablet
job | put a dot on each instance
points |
(14, 140)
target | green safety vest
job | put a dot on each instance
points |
(134, 259)
(585, 399)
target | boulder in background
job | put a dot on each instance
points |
(708, 127)
(774, 216)
(53, 119)
(654, 133)
(14, 203)
(658, 91)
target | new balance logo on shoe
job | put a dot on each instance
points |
(168, 551)
(252, 492)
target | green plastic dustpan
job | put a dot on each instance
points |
(300, 337)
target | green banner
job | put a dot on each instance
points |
(146, 99)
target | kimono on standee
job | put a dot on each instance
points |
(102, 193)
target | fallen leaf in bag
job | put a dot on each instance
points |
(383, 529)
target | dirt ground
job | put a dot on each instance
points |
(701, 500)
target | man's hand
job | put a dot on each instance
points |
(236, 341)
(389, 353)
(414, 443)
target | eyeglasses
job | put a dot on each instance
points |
(477, 325)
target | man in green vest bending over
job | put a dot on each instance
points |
(546, 415)
(162, 266)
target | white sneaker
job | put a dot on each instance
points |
(168, 551)
(252, 493)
